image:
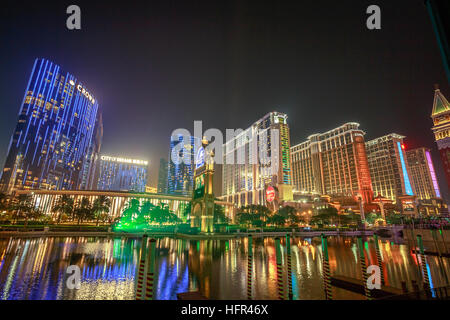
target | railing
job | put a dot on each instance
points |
(441, 293)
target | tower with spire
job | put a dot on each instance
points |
(441, 129)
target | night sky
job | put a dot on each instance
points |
(155, 66)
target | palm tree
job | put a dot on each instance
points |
(64, 205)
(32, 214)
(255, 214)
(219, 214)
(83, 209)
(325, 216)
(277, 219)
(101, 205)
(22, 205)
(290, 214)
(244, 218)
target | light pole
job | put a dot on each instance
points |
(361, 210)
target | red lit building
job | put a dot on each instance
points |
(333, 163)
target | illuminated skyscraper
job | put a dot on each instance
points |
(162, 176)
(441, 129)
(58, 134)
(257, 158)
(389, 170)
(425, 181)
(423, 174)
(89, 173)
(180, 175)
(333, 163)
(122, 174)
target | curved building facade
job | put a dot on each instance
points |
(58, 134)
(333, 163)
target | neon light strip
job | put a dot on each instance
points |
(408, 188)
(433, 174)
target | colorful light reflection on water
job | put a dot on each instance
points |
(34, 268)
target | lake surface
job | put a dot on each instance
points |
(35, 268)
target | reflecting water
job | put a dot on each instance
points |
(35, 268)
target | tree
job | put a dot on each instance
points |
(371, 217)
(83, 209)
(22, 205)
(219, 214)
(139, 217)
(255, 215)
(395, 218)
(277, 219)
(100, 206)
(325, 216)
(131, 211)
(349, 219)
(261, 211)
(187, 210)
(162, 214)
(244, 218)
(23, 208)
(33, 214)
(291, 215)
(63, 205)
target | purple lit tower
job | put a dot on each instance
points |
(425, 181)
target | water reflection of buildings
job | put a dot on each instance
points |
(172, 269)
(200, 264)
(35, 268)
(43, 262)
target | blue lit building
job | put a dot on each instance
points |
(389, 170)
(58, 134)
(162, 176)
(180, 176)
(122, 174)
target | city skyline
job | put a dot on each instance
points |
(230, 150)
(400, 102)
(112, 176)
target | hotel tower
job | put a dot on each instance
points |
(425, 181)
(257, 159)
(122, 174)
(57, 138)
(180, 176)
(389, 169)
(333, 163)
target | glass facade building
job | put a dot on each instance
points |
(389, 168)
(256, 158)
(423, 174)
(162, 176)
(122, 174)
(58, 135)
(180, 176)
